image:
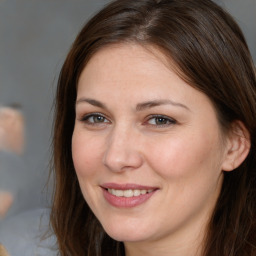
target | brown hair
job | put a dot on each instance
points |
(211, 54)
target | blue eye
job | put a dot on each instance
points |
(94, 119)
(160, 120)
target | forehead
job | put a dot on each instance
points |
(128, 73)
(126, 59)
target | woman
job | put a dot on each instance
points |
(154, 140)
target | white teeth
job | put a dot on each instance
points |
(136, 192)
(118, 192)
(143, 192)
(128, 192)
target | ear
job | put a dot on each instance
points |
(237, 146)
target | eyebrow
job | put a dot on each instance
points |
(93, 102)
(140, 107)
(155, 103)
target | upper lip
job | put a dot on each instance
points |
(127, 186)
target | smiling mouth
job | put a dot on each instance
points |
(129, 192)
(127, 195)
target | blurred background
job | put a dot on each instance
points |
(35, 37)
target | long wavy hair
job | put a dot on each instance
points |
(211, 54)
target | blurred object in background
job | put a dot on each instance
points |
(11, 130)
(3, 252)
(6, 200)
(11, 140)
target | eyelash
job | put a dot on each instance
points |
(86, 118)
(167, 121)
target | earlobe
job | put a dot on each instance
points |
(237, 147)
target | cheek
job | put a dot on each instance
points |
(86, 158)
(85, 153)
(179, 156)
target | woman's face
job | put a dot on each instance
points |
(147, 147)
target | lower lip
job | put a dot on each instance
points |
(126, 202)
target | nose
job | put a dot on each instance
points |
(122, 151)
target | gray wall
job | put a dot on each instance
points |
(244, 12)
(35, 36)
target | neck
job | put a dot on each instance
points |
(153, 248)
(188, 247)
(189, 241)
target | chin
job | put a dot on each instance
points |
(126, 237)
(124, 234)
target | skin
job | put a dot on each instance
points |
(118, 139)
